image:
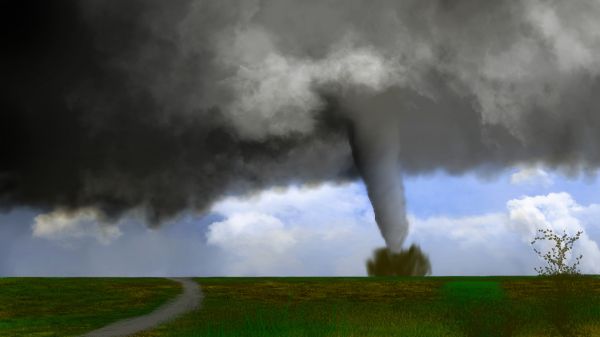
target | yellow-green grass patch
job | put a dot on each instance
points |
(429, 306)
(45, 307)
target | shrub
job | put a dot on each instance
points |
(556, 257)
(570, 292)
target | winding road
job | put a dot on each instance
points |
(187, 301)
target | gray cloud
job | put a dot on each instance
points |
(168, 106)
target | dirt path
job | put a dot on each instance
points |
(188, 300)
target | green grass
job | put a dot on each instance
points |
(354, 306)
(434, 306)
(36, 307)
(479, 307)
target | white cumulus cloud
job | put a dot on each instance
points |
(330, 230)
(251, 231)
(558, 212)
(531, 176)
(327, 230)
(61, 225)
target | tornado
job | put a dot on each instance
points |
(375, 148)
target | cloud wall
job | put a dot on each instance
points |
(161, 107)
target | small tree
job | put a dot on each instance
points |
(556, 258)
(569, 294)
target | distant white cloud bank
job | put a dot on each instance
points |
(330, 230)
(274, 231)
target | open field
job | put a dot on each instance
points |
(36, 307)
(432, 306)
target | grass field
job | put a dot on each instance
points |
(63, 307)
(433, 306)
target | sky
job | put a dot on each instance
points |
(467, 225)
(285, 137)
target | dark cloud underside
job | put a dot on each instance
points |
(163, 106)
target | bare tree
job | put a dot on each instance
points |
(556, 257)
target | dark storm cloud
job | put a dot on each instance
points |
(81, 127)
(162, 106)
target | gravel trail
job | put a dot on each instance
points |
(187, 301)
